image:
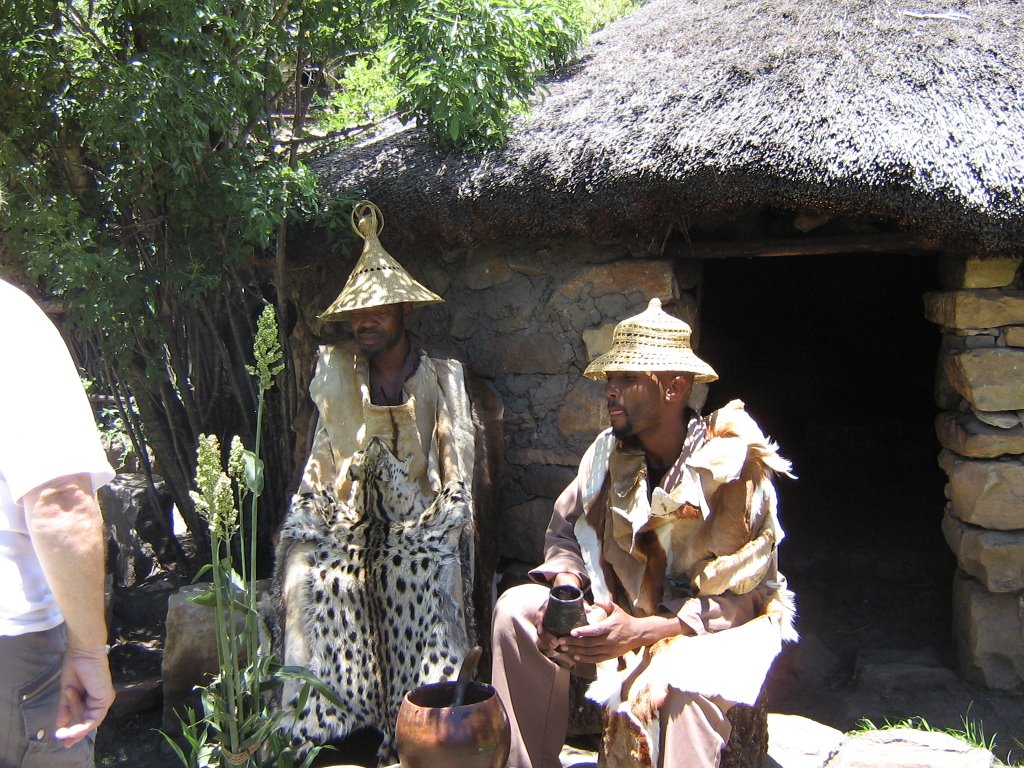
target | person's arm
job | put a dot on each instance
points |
(67, 535)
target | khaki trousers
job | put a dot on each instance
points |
(535, 692)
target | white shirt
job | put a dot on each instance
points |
(47, 431)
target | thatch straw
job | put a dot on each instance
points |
(846, 107)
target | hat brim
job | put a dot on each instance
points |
(680, 361)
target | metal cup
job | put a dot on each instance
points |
(565, 610)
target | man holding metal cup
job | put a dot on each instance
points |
(670, 530)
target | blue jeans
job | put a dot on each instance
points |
(29, 695)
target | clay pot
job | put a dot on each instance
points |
(433, 734)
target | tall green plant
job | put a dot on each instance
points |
(239, 725)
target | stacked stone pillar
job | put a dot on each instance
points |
(980, 387)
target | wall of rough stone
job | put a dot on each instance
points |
(528, 318)
(980, 387)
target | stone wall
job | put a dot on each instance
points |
(980, 387)
(528, 319)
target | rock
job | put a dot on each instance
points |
(545, 480)
(968, 436)
(132, 698)
(806, 664)
(987, 631)
(907, 748)
(528, 456)
(985, 308)
(958, 272)
(989, 494)
(138, 525)
(995, 558)
(583, 410)
(1012, 335)
(652, 279)
(521, 530)
(524, 352)
(486, 271)
(597, 341)
(190, 651)
(798, 742)
(998, 419)
(989, 379)
(887, 670)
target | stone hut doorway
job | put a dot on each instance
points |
(835, 359)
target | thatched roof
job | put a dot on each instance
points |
(911, 112)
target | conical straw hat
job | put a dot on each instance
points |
(651, 341)
(377, 278)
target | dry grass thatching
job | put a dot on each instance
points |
(910, 112)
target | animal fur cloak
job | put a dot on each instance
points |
(374, 577)
(711, 531)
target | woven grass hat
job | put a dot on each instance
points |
(651, 341)
(377, 278)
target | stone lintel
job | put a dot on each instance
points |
(958, 271)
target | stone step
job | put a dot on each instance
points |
(799, 742)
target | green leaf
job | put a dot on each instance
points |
(253, 472)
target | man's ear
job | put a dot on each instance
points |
(406, 310)
(678, 388)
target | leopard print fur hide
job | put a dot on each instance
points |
(378, 597)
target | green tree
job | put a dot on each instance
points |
(152, 153)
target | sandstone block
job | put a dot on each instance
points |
(960, 272)
(653, 279)
(989, 494)
(799, 742)
(1000, 419)
(989, 379)
(969, 436)
(985, 308)
(583, 410)
(486, 271)
(597, 341)
(903, 747)
(995, 558)
(190, 651)
(1012, 336)
(946, 397)
(987, 632)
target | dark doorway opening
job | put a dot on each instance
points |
(834, 359)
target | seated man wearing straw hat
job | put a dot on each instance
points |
(374, 577)
(670, 530)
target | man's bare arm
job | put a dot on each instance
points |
(67, 533)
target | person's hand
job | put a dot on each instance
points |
(605, 637)
(546, 642)
(86, 693)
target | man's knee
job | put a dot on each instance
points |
(518, 605)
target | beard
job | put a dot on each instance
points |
(376, 345)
